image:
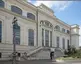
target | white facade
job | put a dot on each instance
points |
(42, 15)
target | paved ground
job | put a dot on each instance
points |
(42, 62)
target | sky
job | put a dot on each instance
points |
(67, 11)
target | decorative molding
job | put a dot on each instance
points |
(75, 34)
(15, 14)
(61, 32)
(28, 4)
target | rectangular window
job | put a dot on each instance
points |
(57, 41)
(68, 31)
(50, 38)
(42, 37)
(16, 34)
(0, 55)
(2, 3)
(68, 44)
(63, 43)
(46, 38)
(63, 30)
(0, 31)
(31, 37)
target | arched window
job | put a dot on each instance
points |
(31, 37)
(57, 28)
(42, 22)
(16, 10)
(30, 16)
(2, 3)
(16, 33)
(63, 30)
(68, 31)
(46, 23)
(0, 31)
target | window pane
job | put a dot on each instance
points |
(0, 55)
(31, 16)
(50, 38)
(31, 37)
(57, 41)
(47, 23)
(42, 37)
(63, 30)
(1, 4)
(57, 28)
(0, 31)
(16, 10)
(46, 37)
(68, 44)
(16, 35)
(63, 43)
(68, 31)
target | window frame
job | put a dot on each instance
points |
(63, 30)
(68, 31)
(30, 38)
(0, 55)
(16, 34)
(63, 41)
(30, 16)
(2, 4)
(16, 9)
(58, 40)
(1, 31)
(57, 27)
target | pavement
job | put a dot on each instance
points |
(42, 62)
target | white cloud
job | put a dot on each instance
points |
(80, 36)
(58, 5)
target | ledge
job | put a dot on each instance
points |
(15, 14)
(62, 32)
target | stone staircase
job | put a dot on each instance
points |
(59, 52)
(43, 53)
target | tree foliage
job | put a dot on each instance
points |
(73, 52)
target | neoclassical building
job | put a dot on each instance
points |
(36, 27)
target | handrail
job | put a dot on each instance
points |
(61, 50)
(34, 51)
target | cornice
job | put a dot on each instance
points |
(63, 23)
(62, 32)
(46, 7)
(27, 5)
(15, 14)
(75, 34)
(33, 7)
(54, 18)
(75, 27)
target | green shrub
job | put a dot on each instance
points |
(73, 52)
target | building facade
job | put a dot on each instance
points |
(35, 27)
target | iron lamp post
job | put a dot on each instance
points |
(14, 40)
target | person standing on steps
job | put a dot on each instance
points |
(52, 53)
